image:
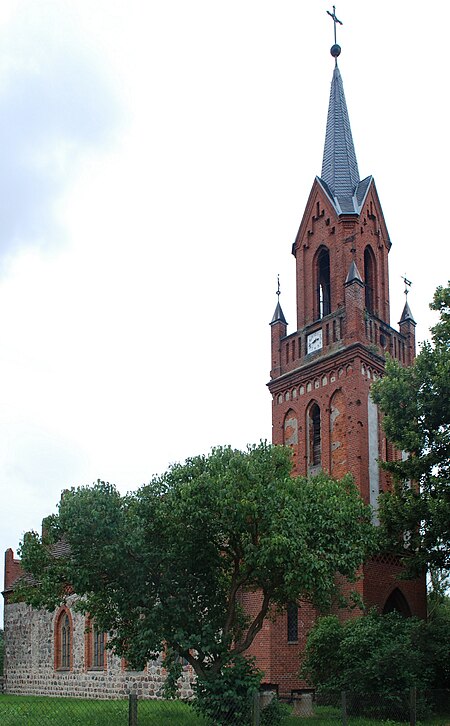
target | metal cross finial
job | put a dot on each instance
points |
(278, 287)
(408, 284)
(335, 20)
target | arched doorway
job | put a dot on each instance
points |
(398, 603)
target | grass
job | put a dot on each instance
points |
(46, 711)
(326, 716)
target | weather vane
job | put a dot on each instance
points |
(335, 49)
(278, 287)
(408, 284)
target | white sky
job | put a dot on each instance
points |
(156, 158)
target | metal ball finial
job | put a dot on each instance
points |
(335, 50)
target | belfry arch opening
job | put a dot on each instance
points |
(370, 280)
(323, 291)
(397, 603)
(314, 437)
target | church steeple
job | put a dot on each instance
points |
(340, 174)
(321, 373)
(339, 167)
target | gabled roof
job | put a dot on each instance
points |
(348, 204)
(365, 188)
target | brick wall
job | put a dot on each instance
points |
(331, 360)
(13, 569)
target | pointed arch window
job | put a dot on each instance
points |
(323, 301)
(369, 279)
(292, 622)
(95, 650)
(314, 436)
(63, 640)
(98, 648)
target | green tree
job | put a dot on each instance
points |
(416, 406)
(2, 651)
(438, 600)
(382, 654)
(167, 566)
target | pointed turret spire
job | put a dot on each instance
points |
(278, 316)
(353, 274)
(407, 314)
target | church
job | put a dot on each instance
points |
(320, 381)
(321, 374)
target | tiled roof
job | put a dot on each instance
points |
(59, 549)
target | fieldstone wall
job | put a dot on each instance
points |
(30, 663)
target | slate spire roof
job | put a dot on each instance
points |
(278, 316)
(407, 314)
(340, 175)
(353, 274)
(339, 166)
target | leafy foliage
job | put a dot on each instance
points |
(416, 406)
(275, 713)
(226, 700)
(165, 567)
(384, 654)
(2, 650)
(438, 601)
(438, 638)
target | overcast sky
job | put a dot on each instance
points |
(156, 158)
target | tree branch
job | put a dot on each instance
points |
(255, 626)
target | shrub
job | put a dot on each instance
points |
(274, 713)
(1, 651)
(226, 699)
(383, 654)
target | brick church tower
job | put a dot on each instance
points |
(321, 374)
